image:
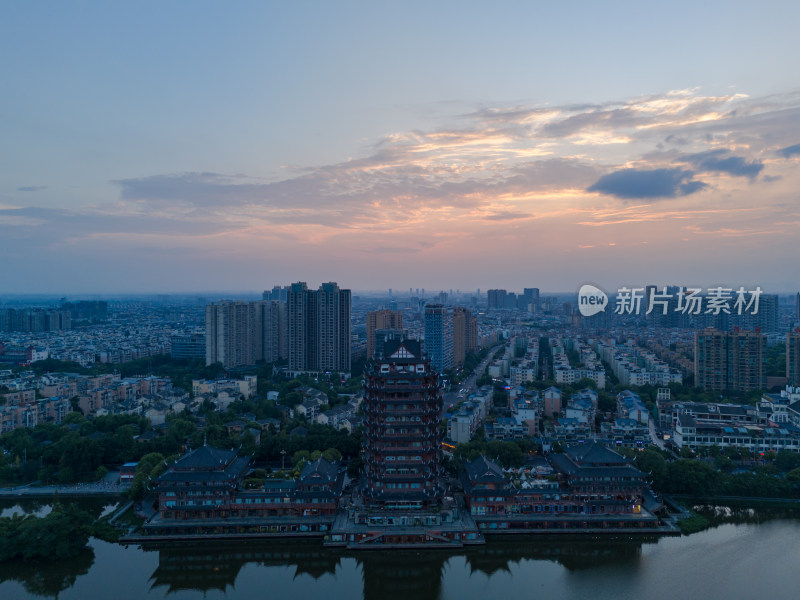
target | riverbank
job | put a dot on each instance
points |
(693, 514)
(108, 486)
(341, 531)
(62, 491)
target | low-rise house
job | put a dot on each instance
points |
(156, 416)
(246, 387)
(351, 423)
(335, 416)
(581, 409)
(566, 429)
(147, 436)
(706, 412)
(524, 372)
(255, 432)
(526, 411)
(19, 397)
(756, 439)
(270, 422)
(506, 429)
(235, 427)
(460, 427)
(630, 406)
(309, 409)
(626, 433)
(551, 399)
(775, 409)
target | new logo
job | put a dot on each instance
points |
(591, 300)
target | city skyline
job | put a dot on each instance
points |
(162, 147)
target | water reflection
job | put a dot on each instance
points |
(731, 513)
(47, 579)
(41, 507)
(387, 574)
(402, 575)
(513, 565)
(29, 506)
(216, 566)
(573, 553)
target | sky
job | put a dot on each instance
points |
(211, 146)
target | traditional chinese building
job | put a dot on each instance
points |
(315, 493)
(587, 487)
(201, 494)
(201, 484)
(403, 439)
(601, 478)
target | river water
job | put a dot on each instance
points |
(742, 560)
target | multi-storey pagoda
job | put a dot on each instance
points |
(403, 438)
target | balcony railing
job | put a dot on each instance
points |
(406, 412)
(386, 448)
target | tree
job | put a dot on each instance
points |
(691, 477)
(606, 401)
(149, 467)
(723, 463)
(78, 457)
(181, 428)
(61, 534)
(652, 461)
(735, 453)
(332, 455)
(508, 454)
(74, 418)
(483, 380)
(291, 399)
(793, 476)
(300, 458)
(786, 460)
(248, 445)
(355, 464)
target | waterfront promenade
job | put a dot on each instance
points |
(108, 486)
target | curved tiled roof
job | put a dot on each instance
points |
(594, 454)
(205, 457)
(483, 469)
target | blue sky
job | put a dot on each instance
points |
(178, 146)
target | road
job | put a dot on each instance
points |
(655, 438)
(451, 398)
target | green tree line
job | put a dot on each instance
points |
(61, 534)
(780, 479)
